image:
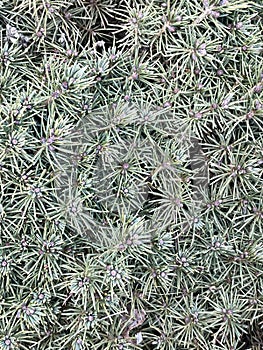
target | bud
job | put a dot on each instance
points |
(239, 25)
(258, 88)
(171, 28)
(215, 14)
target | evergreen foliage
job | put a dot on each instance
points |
(131, 152)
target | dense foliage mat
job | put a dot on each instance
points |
(131, 155)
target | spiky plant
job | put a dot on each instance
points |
(131, 174)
